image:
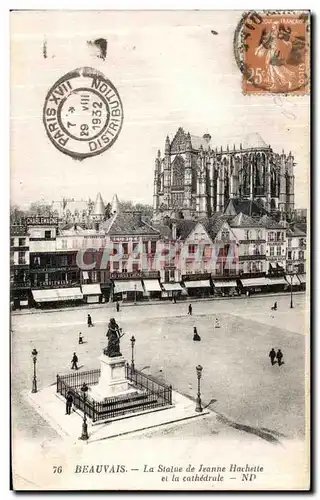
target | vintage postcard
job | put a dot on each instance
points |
(159, 243)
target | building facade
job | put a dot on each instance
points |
(196, 179)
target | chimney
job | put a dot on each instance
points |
(137, 218)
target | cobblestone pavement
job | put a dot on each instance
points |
(238, 382)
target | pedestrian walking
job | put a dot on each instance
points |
(74, 362)
(69, 401)
(279, 357)
(196, 336)
(272, 355)
(217, 324)
(174, 299)
(117, 306)
(89, 321)
(80, 341)
(190, 310)
(275, 306)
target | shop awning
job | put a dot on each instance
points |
(69, 294)
(254, 282)
(197, 284)
(92, 289)
(48, 295)
(128, 286)
(302, 278)
(152, 285)
(294, 278)
(171, 287)
(224, 284)
(276, 281)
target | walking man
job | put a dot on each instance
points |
(190, 309)
(117, 306)
(272, 355)
(279, 357)
(74, 362)
(80, 338)
(89, 321)
(69, 401)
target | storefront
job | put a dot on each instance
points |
(171, 290)
(277, 284)
(52, 297)
(130, 290)
(302, 279)
(198, 288)
(254, 285)
(152, 288)
(92, 293)
(225, 288)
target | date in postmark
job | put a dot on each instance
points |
(272, 50)
(83, 113)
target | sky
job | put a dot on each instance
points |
(170, 71)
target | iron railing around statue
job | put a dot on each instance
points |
(149, 394)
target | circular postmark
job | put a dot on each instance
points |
(83, 113)
(271, 49)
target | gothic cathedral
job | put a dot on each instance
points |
(195, 180)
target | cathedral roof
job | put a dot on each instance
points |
(196, 142)
(99, 208)
(252, 141)
(184, 228)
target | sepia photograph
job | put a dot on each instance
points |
(159, 250)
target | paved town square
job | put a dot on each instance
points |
(234, 357)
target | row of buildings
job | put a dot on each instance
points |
(130, 257)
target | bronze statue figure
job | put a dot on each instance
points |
(114, 335)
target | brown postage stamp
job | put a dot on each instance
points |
(272, 50)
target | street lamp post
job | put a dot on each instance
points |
(34, 381)
(199, 373)
(133, 341)
(84, 435)
(291, 302)
(135, 293)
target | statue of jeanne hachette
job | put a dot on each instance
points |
(114, 335)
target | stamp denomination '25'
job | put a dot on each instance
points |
(83, 113)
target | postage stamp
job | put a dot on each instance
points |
(83, 113)
(272, 50)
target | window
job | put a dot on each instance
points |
(301, 242)
(63, 260)
(135, 247)
(22, 258)
(125, 248)
(124, 267)
(22, 242)
(246, 250)
(256, 251)
(290, 255)
(12, 242)
(207, 251)
(65, 244)
(145, 247)
(279, 236)
(248, 235)
(278, 251)
(289, 242)
(271, 236)
(192, 249)
(153, 246)
(115, 266)
(171, 273)
(300, 255)
(47, 234)
(225, 236)
(94, 276)
(271, 251)
(259, 235)
(11, 257)
(135, 267)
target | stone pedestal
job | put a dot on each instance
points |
(112, 380)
